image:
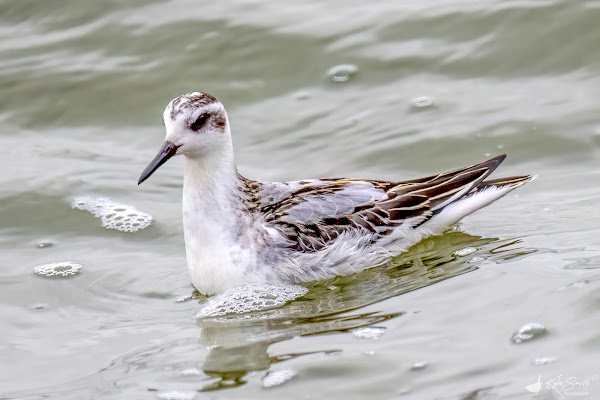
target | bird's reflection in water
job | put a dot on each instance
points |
(239, 343)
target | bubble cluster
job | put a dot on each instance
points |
(114, 215)
(276, 378)
(528, 332)
(58, 269)
(342, 73)
(249, 298)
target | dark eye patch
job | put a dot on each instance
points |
(200, 121)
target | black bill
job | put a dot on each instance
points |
(167, 151)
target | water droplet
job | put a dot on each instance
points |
(422, 101)
(342, 73)
(368, 332)
(465, 252)
(114, 215)
(418, 365)
(58, 269)
(176, 395)
(543, 360)
(276, 378)
(528, 332)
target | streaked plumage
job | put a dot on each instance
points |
(241, 231)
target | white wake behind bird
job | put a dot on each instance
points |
(239, 231)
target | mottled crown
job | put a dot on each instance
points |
(189, 101)
(188, 107)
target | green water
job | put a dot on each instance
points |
(83, 86)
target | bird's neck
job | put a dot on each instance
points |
(210, 177)
(215, 216)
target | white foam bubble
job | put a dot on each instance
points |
(418, 365)
(465, 252)
(543, 360)
(113, 215)
(276, 378)
(368, 332)
(58, 269)
(177, 395)
(528, 332)
(342, 73)
(423, 101)
(191, 371)
(244, 299)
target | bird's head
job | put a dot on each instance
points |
(197, 127)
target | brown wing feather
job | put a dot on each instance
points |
(405, 200)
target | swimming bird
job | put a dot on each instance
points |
(240, 231)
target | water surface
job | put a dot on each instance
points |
(84, 85)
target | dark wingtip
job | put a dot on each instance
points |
(498, 159)
(493, 163)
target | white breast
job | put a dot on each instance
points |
(210, 255)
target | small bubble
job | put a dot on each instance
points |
(302, 95)
(487, 154)
(500, 147)
(276, 378)
(210, 35)
(176, 395)
(58, 269)
(529, 332)
(191, 371)
(418, 365)
(44, 244)
(465, 252)
(40, 306)
(368, 332)
(476, 260)
(422, 101)
(342, 73)
(543, 360)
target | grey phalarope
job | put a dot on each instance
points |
(240, 231)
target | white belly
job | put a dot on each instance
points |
(211, 263)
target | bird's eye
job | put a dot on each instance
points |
(199, 122)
